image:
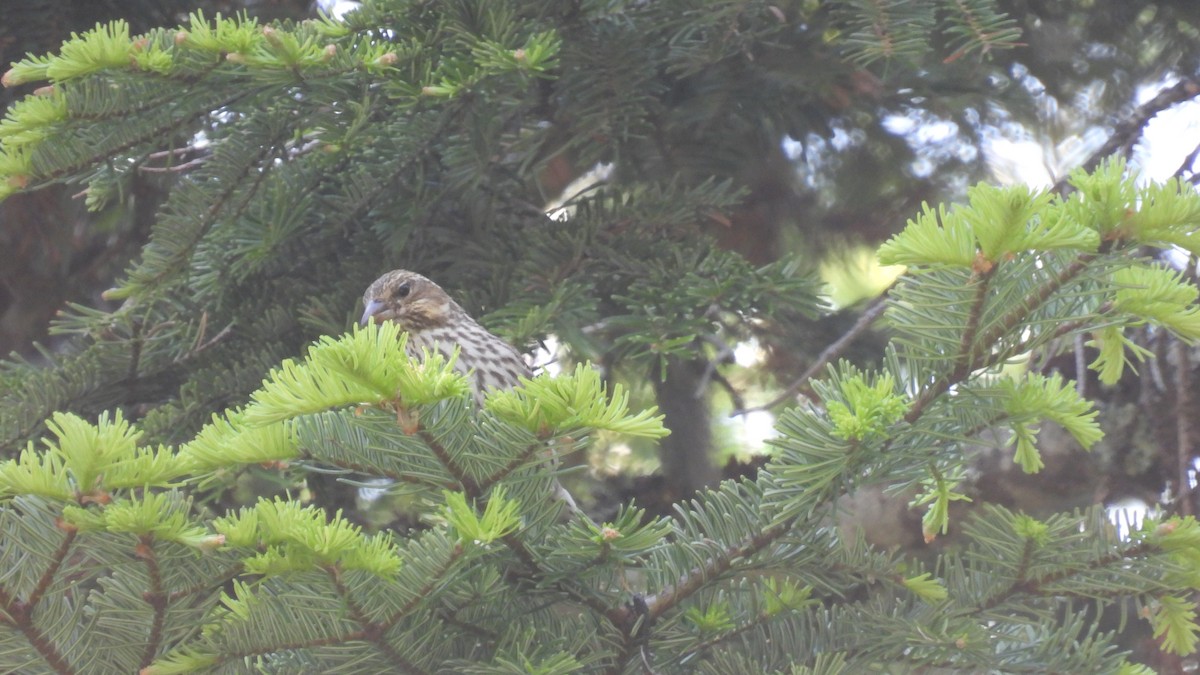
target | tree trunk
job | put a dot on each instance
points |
(687, 457)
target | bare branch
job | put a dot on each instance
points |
(800, 385)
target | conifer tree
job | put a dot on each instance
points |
(306, 158)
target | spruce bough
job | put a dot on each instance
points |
(116, 558)
(110, 555)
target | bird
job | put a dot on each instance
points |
(433, 320)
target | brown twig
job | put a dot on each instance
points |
(800, 385)
(370, 631)
(1183, 435)
(965, 367)
(1186, 165)
(175, 168)
(966, 349)
(155, 596)
(47, 578)
(21, 614)
(1127, 131)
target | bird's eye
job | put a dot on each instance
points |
(403, 291)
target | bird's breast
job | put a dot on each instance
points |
(495, 363)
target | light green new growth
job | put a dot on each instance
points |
(1115, 351)
(1103, 199)
(30, 121)
(1169, 215)
(1180, 538)
(500, 517)
(715, 618)
(1135, 669)
(1035, 397)
(165, 515)
(926, 588)
(999, 223)
(1158, 295)
(869, 408)
(630, 534)
(1148, 294)
(181, 662)
(105, 46)
(1174, 622)
(285, 536)
(784, 595)
(935, 237)
(1032, 529)
(367, 367)
(938, 494)
(548, 405)
(995, 224)
(228, 439)
(36, 472)
(87, 461)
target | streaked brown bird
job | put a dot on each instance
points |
(434, 321)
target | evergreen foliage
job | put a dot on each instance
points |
(100, 532)
(316, 144)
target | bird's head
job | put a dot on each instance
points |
(409, 299)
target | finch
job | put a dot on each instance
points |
(436, 322)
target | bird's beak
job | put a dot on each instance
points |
(370, 310)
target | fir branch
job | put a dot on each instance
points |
(283, 646)
(544, 564)
(452, 114)
(380, 472)
(699, 577)
(880, 26)
(135, 354)
(164, 261)
(436, 579)
(1002, 326)
(370, 631)
(56, 562)
(756, 622)
(468, 484)
(155, 596)
(981, 29)
(20, 615)
(1035, 587)
(967, 360)
(470, 628)
(140, 102)
(886, 29)
(206, 585)
(1035, 300)
(967, 348)
(1069, 327)
(476, 494)
(633, 620)
(162, 131)
(515, 463)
